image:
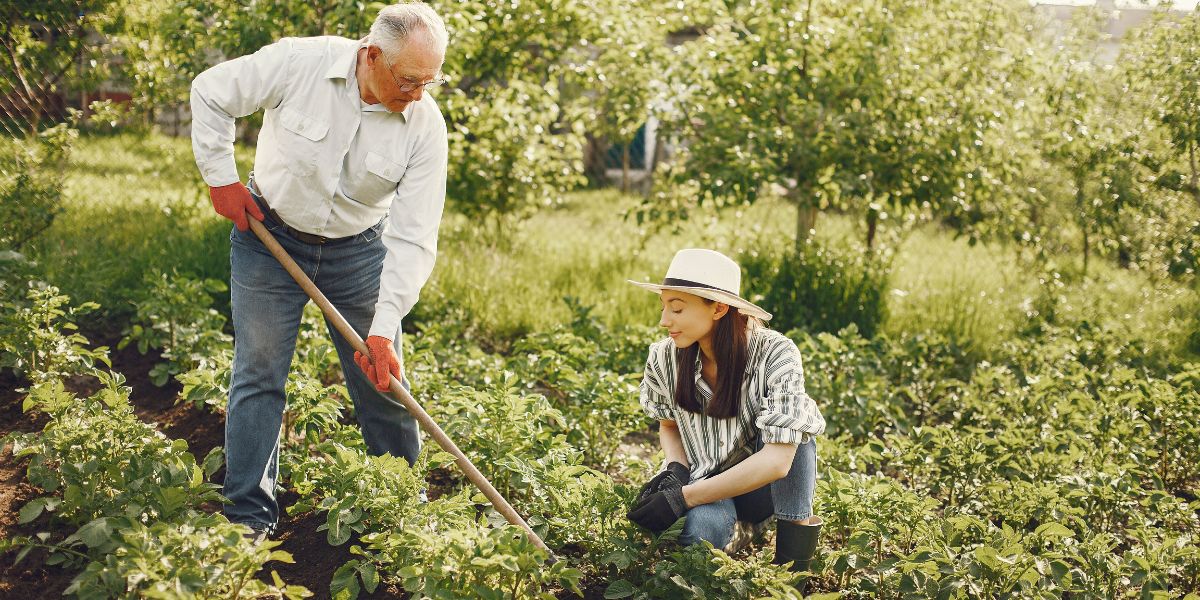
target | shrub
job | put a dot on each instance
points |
(204, 557)
(31, 181)
(820, 286)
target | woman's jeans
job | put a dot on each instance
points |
(267, 307)
(788, 499)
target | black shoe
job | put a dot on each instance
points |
(796, 543)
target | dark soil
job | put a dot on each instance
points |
(32, 578)
(316, 560)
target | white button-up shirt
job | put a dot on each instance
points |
(327, 163)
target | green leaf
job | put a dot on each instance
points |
(95, 533)
(213, 461)
(619, 589)
(282, 556)
(344, 585)
(370, 577)
(296, 592)
(32, 510)
(1054, 530)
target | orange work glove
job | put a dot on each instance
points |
(382, 362)
(233, 201)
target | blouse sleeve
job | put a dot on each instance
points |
(789, 415)
(655, 399)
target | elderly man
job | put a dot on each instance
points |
(350, 177)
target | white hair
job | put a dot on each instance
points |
(396, 23)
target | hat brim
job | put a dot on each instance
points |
(743, 305)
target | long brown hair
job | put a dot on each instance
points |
(731, 347)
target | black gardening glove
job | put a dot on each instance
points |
(661, 509)
(674, 469)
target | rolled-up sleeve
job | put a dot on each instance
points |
(654, 397)
(411, 235)
(230, 90)
(789, 415)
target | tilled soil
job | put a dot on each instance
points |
(316, 560)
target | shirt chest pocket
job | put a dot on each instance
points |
(384, 168)
(376, 186)
(300, 140)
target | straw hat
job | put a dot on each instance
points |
(708, 274)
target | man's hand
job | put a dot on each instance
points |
(381, 363)
(233, 201)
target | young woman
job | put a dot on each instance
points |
(736, 426)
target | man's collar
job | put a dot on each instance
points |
(407, 113)
(342, 67)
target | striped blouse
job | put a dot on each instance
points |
(773, 403)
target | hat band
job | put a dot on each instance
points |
(672, 281)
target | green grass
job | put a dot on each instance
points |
(973, 295)
(1162, 315)
(584, 249)
(136, 204)
(133, 205)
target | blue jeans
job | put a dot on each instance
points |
(267, 307)
(788, 499)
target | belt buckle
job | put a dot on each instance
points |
(308, 238)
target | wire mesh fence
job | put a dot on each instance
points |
(46, 58)
(46, 64)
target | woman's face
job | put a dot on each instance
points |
(689, 318)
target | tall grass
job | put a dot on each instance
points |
(1162, 315)
(133, 205)
(136, 204)
(976, 296)
(583, 249)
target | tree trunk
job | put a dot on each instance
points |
(35, 120)
(806, 221)
(593, 160)
(872, 224)
(1086, 250)
(655, 158)
(625, 169)
(1195, 187)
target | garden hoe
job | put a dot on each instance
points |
(397, 390)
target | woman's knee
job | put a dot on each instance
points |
(709, 522)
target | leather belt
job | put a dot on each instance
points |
(303, 236)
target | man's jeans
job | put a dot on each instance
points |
(267, 307)
(789, 499)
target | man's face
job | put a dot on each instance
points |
(417, 63)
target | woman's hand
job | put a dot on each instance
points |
(675, 469)
(661, 509)
(771, 463)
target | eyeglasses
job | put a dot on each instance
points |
(408, 87)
